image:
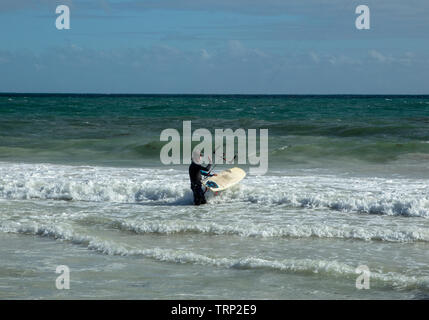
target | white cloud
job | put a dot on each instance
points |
(379, 56)
(205, 55)
(314, 57)
(233, 68)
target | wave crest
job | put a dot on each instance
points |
(303, 266)
(171, 187)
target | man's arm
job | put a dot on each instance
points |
(205, 171)
(206, 168)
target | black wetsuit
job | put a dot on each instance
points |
(195, 172)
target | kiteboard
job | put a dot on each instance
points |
(225, 179)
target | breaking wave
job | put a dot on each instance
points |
(299, 266)
(405, 234)
(171, 187)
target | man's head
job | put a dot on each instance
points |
(196, 156)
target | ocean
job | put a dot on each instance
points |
(82, 185)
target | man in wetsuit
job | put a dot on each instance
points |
(196, 170)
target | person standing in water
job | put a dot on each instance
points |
(196, 171)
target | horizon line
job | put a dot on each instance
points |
(212, 94)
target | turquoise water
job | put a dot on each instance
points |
(304, 131)
(81, 184)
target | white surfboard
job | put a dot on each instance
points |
(225, 179)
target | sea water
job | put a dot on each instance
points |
(82, 185)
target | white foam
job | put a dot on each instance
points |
(305, 266)
(98, 184)
(402, 234)
(406, 197)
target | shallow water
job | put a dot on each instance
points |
(315, 230)
(99, 201)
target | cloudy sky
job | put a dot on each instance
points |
(215, 46)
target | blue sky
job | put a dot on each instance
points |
(207, 46)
